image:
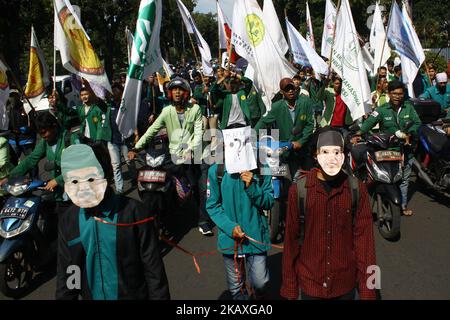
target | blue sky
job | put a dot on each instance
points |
(206, 6)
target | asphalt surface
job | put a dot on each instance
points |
(416, 267)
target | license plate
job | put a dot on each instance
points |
(152, 176)
(17, 213)
(386, 155)
(279, 171)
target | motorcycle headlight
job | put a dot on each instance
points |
(399, 175)
(23, 227)
(154, 162)
(17, 190)
(379, 174)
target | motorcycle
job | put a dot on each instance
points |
(280, 182)
(432, 162)
(160, 186)
(373, 161)
(25, 237)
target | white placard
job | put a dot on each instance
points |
(239, 154)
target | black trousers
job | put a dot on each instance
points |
(348, 296)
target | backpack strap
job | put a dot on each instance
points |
(301, 196)
(354, 188)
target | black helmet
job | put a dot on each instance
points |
(180, 83)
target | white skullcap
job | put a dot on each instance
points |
(441, 77)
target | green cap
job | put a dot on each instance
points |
(79, 156)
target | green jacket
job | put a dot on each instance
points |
(5, 163)
(390, 122)
(239, 206)
(330, 104)
(256, 106)
(191, 132)
(443, 99)
(224, 99)
(96, 119)
(313, 86)
(280, 115)
(44, 150)
(67, 116)
(201, 97)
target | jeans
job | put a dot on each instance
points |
(116, 151)
(405, 181)
(257, 271)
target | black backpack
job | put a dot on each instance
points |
(302, 196)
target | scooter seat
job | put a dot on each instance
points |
(435, 140)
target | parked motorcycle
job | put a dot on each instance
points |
(25, 237)
(373, 161)
(433, 153)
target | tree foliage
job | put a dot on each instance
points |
(105, 22)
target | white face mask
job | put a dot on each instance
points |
(86, 187)
(331, 160)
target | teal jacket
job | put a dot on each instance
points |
(239, 206)
(443, 99)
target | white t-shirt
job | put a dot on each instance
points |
(87, 132)
(236, 114)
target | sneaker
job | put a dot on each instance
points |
(205, 229)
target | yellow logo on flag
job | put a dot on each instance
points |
(255, 29)
(35, 84)
(82, 54)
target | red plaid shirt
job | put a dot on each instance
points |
(335, 253)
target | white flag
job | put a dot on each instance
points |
(145, 60)
(130, 39)
(222, 20)
(77, 54)
(309, 28)
(274, 27)
(378, 40)
(4, 95)
(38, 76)
(409, 68)
(328, 29)
(203, 46)
(403, 37)
(348, 63)
(367, 58)
(253, 42)
(303, 53)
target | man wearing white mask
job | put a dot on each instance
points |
(110, 239)
(329, 241)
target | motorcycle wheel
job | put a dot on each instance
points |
(274, 220)
(16, 274)
(389, 219)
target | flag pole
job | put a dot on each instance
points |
(334, 38)
(54, 50)
(384, 42)
(218, 33)
(16, 82)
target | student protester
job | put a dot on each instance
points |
(108, 237)
(235, 202)
(327, 252)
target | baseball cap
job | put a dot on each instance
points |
(285, 82)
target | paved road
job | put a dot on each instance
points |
(416, 267)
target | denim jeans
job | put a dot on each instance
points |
(257, 271)
(405, 181)
(116, 152)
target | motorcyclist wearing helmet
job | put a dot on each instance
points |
(182, 120)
